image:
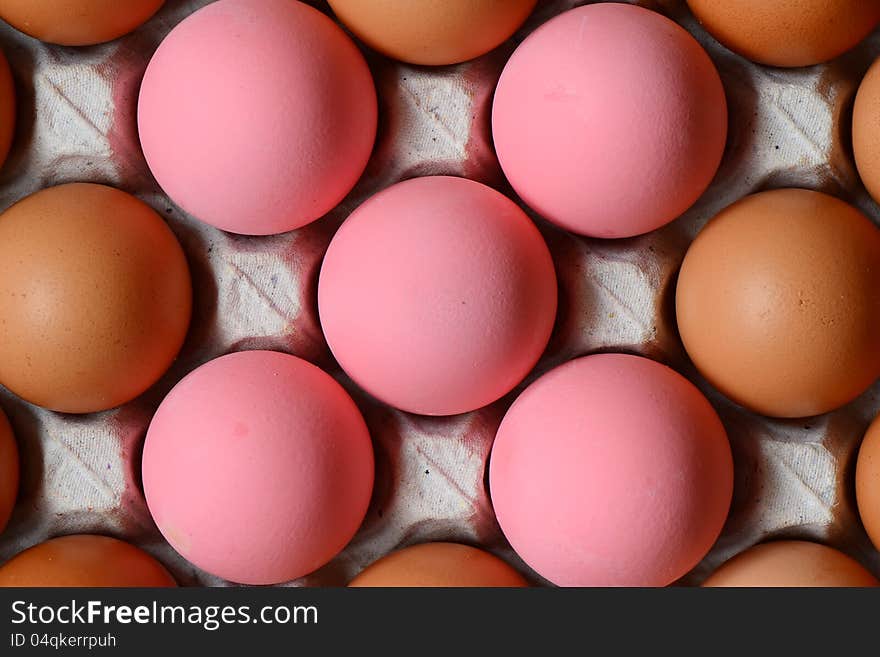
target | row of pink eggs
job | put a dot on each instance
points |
(460, 344)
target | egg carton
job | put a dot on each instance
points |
(81, 474)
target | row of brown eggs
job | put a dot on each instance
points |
(100, 561)
(435, 33)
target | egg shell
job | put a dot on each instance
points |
(611, 470)
(789, 33)
(273, 118)
(9, 471)
(7, 108)
(866, 130)
(258, 467)
(437, 295)
(791, 564)
(433, 32)
(439, 565)
(778, 302)
(84, 560)
(868, 482)
(77, 22)
(610, 120)
(95, 298)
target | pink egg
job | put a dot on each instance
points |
(258, 467)
(611, 470)
(257, 116)
(437, 295)
(610, 120)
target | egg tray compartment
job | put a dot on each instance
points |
(81, 474)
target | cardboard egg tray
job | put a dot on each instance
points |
(80, 474)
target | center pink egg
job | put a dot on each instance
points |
(437, 295)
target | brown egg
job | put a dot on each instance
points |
(77, 22)
(790, 33)
(868, 482)
(433, 32)
(7, 108)
(791, 564)
(84, 560)
(439, 565)
(778, 302)
(8, 471)
(866, 130)
(95, 298)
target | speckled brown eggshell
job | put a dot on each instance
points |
(868, 482)
(433, 32)
(866, 130)
(788, 32)
(95, 298)
(77, 22)
(778, 302)
(84, 560)
(791, 564)
(439, 565)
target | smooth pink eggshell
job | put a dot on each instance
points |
(437, 295)
(257, 116)
(610, 120)
(611, 470)
(258, 467)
